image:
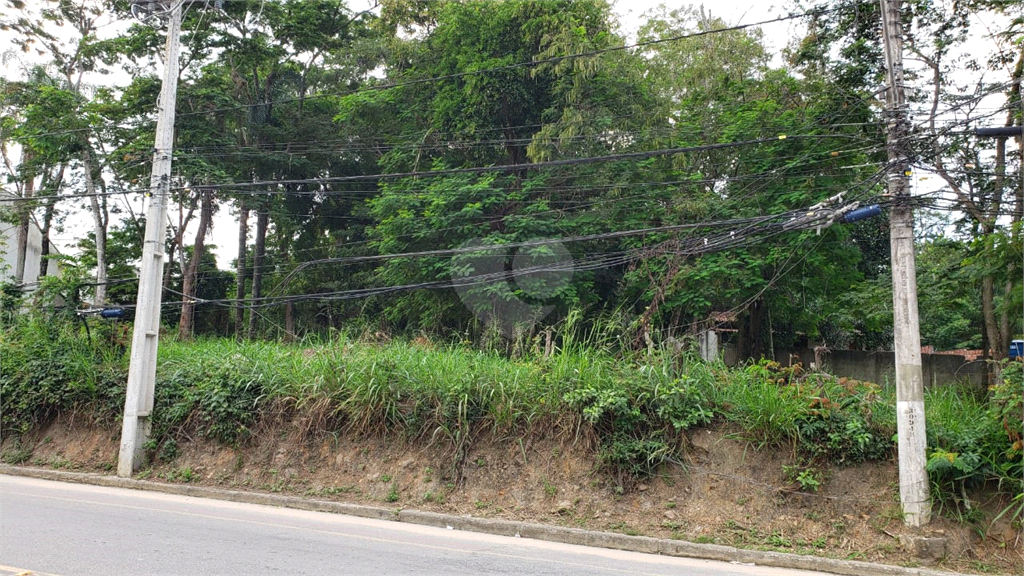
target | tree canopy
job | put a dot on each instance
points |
(456, 167)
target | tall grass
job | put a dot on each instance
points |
(631, 411)
(975, 440)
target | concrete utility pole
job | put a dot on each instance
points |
(914, 496)
(142, 369)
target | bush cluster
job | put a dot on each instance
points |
(50, 366)
(975, 441)
(821, 417)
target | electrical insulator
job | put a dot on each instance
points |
(112, 313)
(862, 213)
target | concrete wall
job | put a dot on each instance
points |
(880, 367)
(9, 249)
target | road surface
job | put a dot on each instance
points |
(69, 529)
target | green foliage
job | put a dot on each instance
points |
(638, 417)
(975, 441)
(10, 301)
(950, 304)
(392, 494)
(839, 426)
(808, 478)
(217, 395)
(768, 412)
(635, 411)
(313, 98)
(823, 418)
(49, 366)
(20, 453)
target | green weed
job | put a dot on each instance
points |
(550, 489)
(808, 478)
(20, 454)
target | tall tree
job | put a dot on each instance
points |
(65, 31)
(35, 117)
(468, 99)
(718, 87)
(188, 285)
(976, 173)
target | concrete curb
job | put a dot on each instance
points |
(494, 526)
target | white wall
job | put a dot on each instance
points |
(9, 249)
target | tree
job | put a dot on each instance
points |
(720, 88)
(188, 285)
(981, 193)
(976, 176)
(466, 99)
(73, 55)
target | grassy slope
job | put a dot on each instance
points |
(634, 409)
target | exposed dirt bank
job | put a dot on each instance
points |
(726, 493)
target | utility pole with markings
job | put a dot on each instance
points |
(138, 404)
(910, 426)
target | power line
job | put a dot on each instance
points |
(722, 240)
(523, 166)
(729, 234)
(342, 193)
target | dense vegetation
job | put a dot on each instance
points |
(341, 141)
(634, 412)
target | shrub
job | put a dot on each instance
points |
(822, 417)
(975, 441)
(838, 425)
(215, 395)
(49, 365)
(637, 417)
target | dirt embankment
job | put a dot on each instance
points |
(726, 493)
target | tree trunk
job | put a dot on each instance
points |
(44, 249)
(243, 244)
(188, 287)
(989, 317)
(99, 227)
(178, 240)
(289, 322)
(48, 214)
(1004, 318)
(257, 264)
(751, 345)
(24, 220)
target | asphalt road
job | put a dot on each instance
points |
(57, 528)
